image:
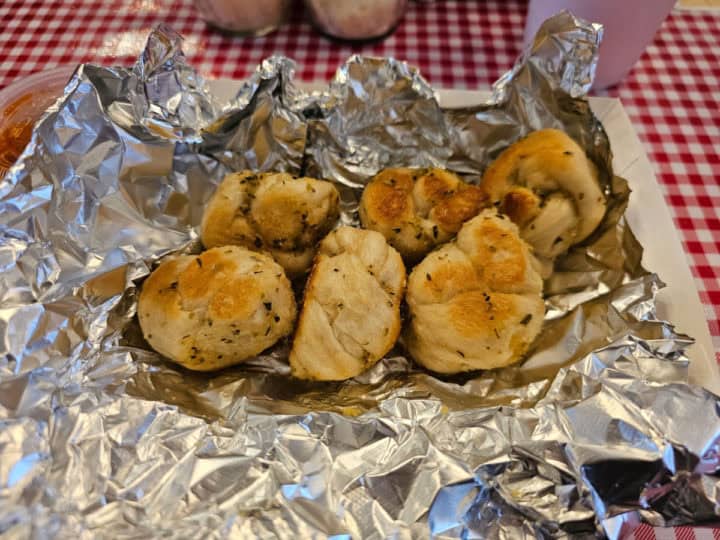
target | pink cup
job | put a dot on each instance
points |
(629, 28)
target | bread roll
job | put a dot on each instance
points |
(275, 212)
(475, 303)
(351, 312)
(216, 309)
(550, 189)
(418, 209)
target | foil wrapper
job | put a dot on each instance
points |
(596, 431)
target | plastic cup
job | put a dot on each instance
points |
(22, 103)
(629, 28)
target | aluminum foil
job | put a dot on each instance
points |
(100, 438)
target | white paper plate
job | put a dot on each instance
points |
(647, 214)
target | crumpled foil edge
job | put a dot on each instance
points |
(100, 438)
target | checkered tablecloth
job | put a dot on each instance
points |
(672, 95)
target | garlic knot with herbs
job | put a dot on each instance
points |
(550, 189)
(216, 309)
(475, 303)
(275, 212)
(350, 316)
(418, 209)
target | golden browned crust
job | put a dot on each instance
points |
(500, 257)
(387, 203)
(475, 303)
(273, 212)
(545, 165)
(454, 210)
(435, 185)
(237, 298)
(474, 313)
(159, 290)
(418, 209)
(225, 220)
(447, 278)
(211, 269)
(521, 205)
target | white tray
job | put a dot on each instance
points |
(650, 220)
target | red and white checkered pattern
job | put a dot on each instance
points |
(645, 532)
(672, 95)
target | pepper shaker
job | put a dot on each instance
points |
(356, 20)
(244, 17)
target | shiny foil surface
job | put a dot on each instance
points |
(100, 438)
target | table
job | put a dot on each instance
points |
(672, 94)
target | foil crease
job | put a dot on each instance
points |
(594, 433)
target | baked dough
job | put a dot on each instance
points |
(418, 209)
(475, 303)
(351, 312)
(216, 309)
(276, 212)
(546, 184)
